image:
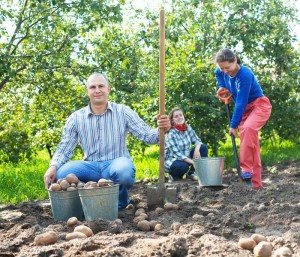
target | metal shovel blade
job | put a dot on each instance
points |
(157, 195)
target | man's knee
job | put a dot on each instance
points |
(83, 170)
(65, 169)
(122, 171)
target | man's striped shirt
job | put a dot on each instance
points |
(102, 137)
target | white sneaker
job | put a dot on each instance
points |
(192, 177)
(171, 179)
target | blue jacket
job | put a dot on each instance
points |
(244, 88)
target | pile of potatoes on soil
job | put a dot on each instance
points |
(71, 182)
(261, 247)
(141, 218)
(83, 231)
(51, 237)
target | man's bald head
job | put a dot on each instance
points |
(94, 75)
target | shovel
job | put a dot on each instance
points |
(157, 195)
(222, 94)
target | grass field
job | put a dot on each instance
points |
(24, 182)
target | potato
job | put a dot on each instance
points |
(175, 206)
(101, 180)
(263, 249)
(130, 206)
(59, 180)
(139, 211)
(137, 219)
(283, 252)
(75, 235)
(47, 238)
(258, 238)
(119, 222)
(168, 206)
(80, 184)
(72, 178)
(64, 184)
(90, 184)
(144, 225)
(104, 182)
(176, 226)
(144, 215)
(71, 188)
(247, 243)
(152, 224)
(158, 227)
(55, 187)
(84, 229)
(72, 221)
(159, 210)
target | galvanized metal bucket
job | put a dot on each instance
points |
(209, 170)
(100, 202)
(65, 204)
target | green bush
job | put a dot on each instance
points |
(14, 146)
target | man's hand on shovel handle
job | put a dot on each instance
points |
(163, 122)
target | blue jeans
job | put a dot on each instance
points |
(121, 171)
(180, 167)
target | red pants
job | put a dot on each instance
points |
(255, 117)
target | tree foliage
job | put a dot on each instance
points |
(52, 48)
(55, 45)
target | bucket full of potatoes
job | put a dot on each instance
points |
(64, 198)
(70, 197)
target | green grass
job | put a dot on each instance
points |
(24, 182)
(271, 152)
(147, 166)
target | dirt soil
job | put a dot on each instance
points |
(209, 222)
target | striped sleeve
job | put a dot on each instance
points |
(140, 129)
(65, 149)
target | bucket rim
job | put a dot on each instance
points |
(62, 191)
(209, 158)
(97, 188)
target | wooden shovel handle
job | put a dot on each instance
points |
(162, 94)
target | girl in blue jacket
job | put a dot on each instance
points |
(251, 112)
